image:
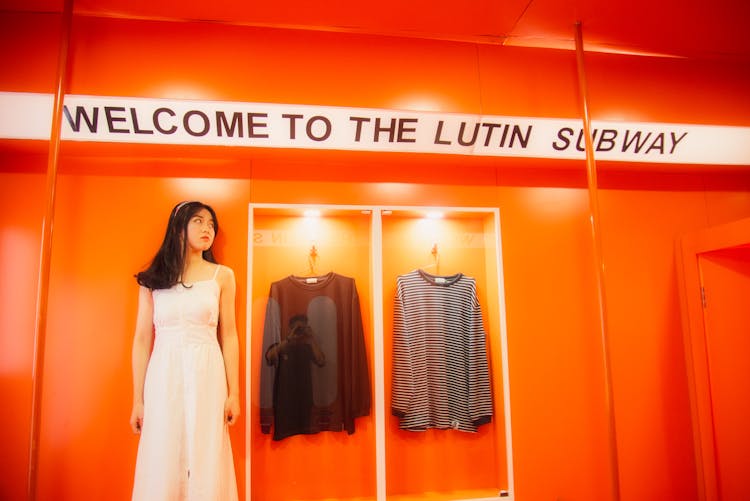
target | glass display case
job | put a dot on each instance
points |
(302, 249)
(445, 247)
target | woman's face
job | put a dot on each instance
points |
(200, 231)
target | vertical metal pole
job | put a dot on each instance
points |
(599, 261)
(40, 331)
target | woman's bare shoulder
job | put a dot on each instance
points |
(225, 275)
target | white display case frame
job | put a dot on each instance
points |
(377, 213)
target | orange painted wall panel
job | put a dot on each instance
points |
(528, 82)
(651, 89)
(557, 399)
(20, 237)
(644, 324)
(30, 48)
(211, 61)
(727, 204)
(106, 229)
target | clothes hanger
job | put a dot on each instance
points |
(312, 272)
(312, 260)
(434, 265)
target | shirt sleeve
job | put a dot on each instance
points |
(480, 389)
(268, 365)
(402, 372)
(360, 384)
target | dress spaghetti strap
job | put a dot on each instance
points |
(216, 273)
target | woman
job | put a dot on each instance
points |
(185, 389)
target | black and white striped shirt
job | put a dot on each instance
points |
(440, 371)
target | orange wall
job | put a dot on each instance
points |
(106, 229)
(113, 200)
(20, 237)
(641, 218)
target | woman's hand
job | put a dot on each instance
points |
(232, 410)
(136, 418)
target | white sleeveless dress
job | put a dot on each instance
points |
(184, 451)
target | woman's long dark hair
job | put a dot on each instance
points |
(168, 264)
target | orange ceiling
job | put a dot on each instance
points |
(679, 28)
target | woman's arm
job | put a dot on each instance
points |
(229, 344)
(142, 343)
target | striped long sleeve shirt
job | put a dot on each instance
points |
(441, 376)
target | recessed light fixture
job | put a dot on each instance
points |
(434, 215)
(312, 213)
